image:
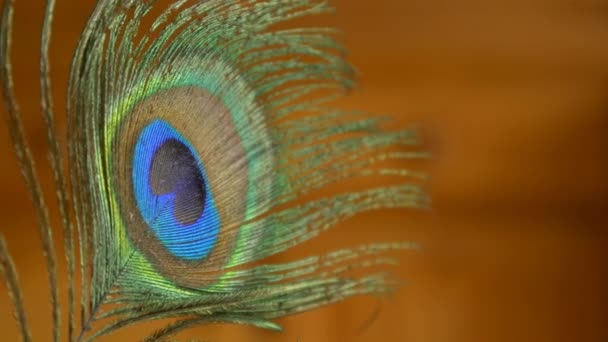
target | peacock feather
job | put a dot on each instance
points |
(198, 134)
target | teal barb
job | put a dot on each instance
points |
(192, 141)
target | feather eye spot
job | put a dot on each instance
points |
(172, 194)
(181, 183)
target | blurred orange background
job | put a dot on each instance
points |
(512, 97)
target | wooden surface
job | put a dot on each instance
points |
(512, 97)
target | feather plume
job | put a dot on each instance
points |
(199, 133)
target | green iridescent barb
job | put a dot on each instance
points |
(191, 143)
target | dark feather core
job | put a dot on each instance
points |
(174, 170)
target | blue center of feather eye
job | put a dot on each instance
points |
(172, 192)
